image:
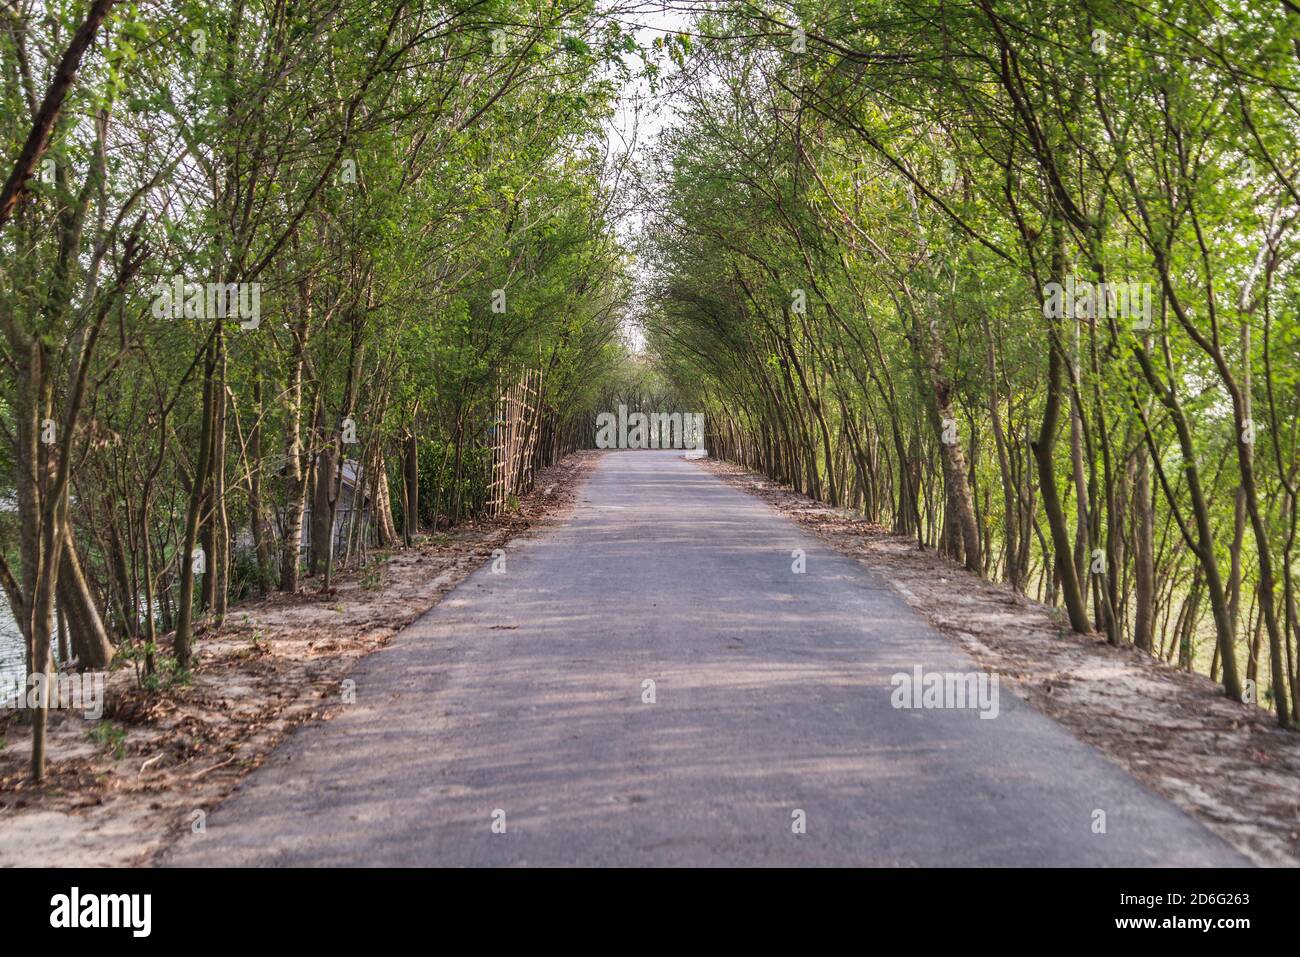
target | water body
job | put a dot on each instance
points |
(13, 664)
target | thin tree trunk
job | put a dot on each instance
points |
(183, 642)
(411, 475)
(1144, 549)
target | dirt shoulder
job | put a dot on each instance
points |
(1226, 764)
(120, 790)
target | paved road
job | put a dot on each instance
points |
(522, 692)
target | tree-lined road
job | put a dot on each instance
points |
(522, 692)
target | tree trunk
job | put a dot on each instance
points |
(383, 504)
(185, 610)
(411, 474)
(1144, 528)
(1042, 448)
(220, 520)
(322, 537)
(256, 507)
(90, 645)
(294, 485)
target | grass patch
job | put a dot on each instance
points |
(109, 737)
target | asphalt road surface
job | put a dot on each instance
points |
(509, 726)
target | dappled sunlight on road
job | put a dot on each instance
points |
(526, 692)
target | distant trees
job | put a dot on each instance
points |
(860, 219)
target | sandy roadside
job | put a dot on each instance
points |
(120, 790)
(1225, 763)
